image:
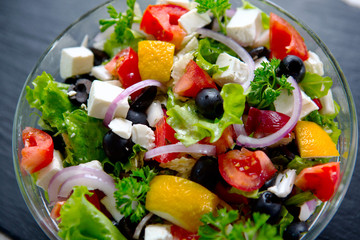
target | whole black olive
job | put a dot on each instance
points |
(295, 230)
(206, 172)
(259, 52)
(143, 101)
(137, 117)
(292, 66)
(116, 147)
(210, 103)
(99, 56)
(270, 204)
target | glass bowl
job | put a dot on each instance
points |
(88, 25)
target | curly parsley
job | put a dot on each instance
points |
(218, 8)
(267, 86)
(225, 226)
(131, 193)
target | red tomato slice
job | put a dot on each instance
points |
(318, 103)
(179, 233)
(38, 151)
(245, 170)
(161, 21)
(322, 180)
(164, 134)
(193, 80)
(264, 122)
(285, 40)
(225, 142)
(125, 66)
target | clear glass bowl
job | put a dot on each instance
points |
(88, 25)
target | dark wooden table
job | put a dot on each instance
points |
(28, 27)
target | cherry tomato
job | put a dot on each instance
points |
(322, 180)
(264, 122)
(38, 151)
(245, 170)
(161, 21)
(179, 233)
(193, 81)
(285, 40)
(125, 66)
(164, 134)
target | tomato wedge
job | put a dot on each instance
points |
(225, 142)
(161, 21)
(38, 150)
(164, 134)
(322, 180)
(193, 81)
(246, 170)
(285, 40)
(179, 233)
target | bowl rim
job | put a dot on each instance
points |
(315, 229)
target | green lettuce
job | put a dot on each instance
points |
(299, 163)
(315, 86)
(191, 127)
(81, 220)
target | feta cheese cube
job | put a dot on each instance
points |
(245, 26)
(100, 97)
(313, 64)
(158, 232)
(191, 45)
(193, 20)
(181, 3)
(92, 164)
(75, 60)
(121, 127)
(179, 66)
(284, 183)
(46, 173)
(143, 135)
(154, 113)
(101, 73)
(284, 103)
(237, 71)
(327, 103)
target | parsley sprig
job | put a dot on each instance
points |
(218, 9)
(267, 86)
(122, 22)
(131, 193)
(226, 226)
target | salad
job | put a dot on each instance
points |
(187, 120)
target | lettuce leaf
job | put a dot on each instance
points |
(299, 163)
(315, 86)
(81, 220)
(191, 127)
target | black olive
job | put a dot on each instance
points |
(270, 204)
(292, 66)
(126, 227)
(99, 56)
(206, 172)
(143, 101)
(259, 52)
(269, 183)
(294, 230)
(74, 79)
(137, 117)
(210, 103)
(79, 92)
(116, 147)
(58, 141)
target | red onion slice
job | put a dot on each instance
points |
(244, 140)
(179, 147)
(124, 94)
(60, 177)
(141, 225)
(239, 50)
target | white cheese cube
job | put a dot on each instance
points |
(154, 113)
(143, 135)
(284, 183)
(284, 103)
(101, 73)
(181, 3)
(237, 71)
(193, 20)
(327, 103)
(245, 26)
(259, 61)
(262, 40)
(158, 232)
(100, 97)
(46, 173)
(313, 64)
(191, 45)
(179, 66)
(116, 83)
(121, 127)
(75, 60)
(92, 164)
